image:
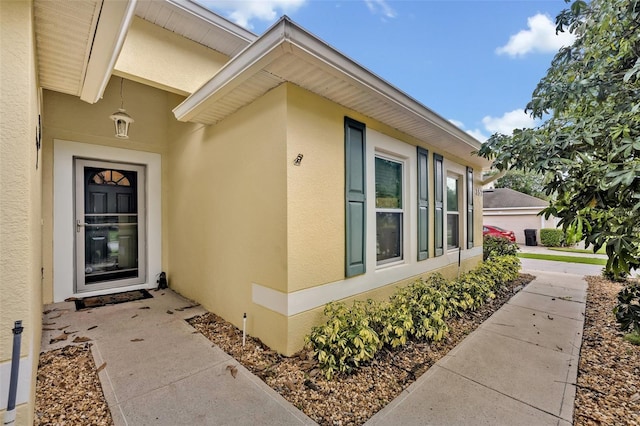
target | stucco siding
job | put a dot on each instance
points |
(518, 223)
(159, 57)
(228, 211)
(20, 211)
(68, 118)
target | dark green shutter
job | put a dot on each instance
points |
(355, 197)
(438, 204)
(469, 207)
(423, 203)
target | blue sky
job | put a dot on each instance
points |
(474, 62)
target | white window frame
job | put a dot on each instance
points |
(453, 169)
(458, 213)
(401, 210)
(388, 148)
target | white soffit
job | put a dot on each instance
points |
(194, 22)
(64, 33)
(287, 52)
(114, 23)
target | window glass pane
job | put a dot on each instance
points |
(388, 184)
(452, 194)
(452, 231)
(389, 236)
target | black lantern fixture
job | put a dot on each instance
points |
(121, 119)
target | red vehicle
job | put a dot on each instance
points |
(496, 231)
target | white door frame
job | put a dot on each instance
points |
(64, 225)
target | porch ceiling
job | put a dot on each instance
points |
(79, 41)
(287, 53)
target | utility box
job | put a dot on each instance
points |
(530, 238)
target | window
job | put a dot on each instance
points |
(389, 210)
(469, 207)
(453, 213)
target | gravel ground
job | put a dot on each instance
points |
(346, 399)
(608, 390)
(68, 389)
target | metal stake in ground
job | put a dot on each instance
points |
(10, 415)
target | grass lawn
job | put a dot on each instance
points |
(576, 250)
(570, 259)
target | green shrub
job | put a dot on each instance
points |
(346, 339)
(493, 246)
(427, 305)
(551, 237)
(353, 335)
(627, 310)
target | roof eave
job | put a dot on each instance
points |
(111, 31)
(287, 37)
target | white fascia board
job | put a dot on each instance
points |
(287, 37)
(252, 59)
(195, 9)
(114, 23)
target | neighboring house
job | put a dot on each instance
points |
(515, 211)
(267, 175)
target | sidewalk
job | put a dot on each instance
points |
(160, 371)
(517, 368)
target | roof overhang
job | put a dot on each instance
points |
(111, 31)
(288, 53)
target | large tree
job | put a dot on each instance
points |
(589, 144)
(527, 183)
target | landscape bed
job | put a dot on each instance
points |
(607, 386)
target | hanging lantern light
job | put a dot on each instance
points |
(121, 119)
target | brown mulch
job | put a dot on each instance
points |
(608, 385)
(346, 399)
(68, 390)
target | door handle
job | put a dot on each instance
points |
(79, 225)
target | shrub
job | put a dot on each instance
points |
(352, 335)
(627, 310)
(493, 246)
(427, 305)
(346, 339)
(551, 237)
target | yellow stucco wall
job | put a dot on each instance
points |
(228, 212)
(159, 57)
(300, 325)
(20, 193)
(68, 118)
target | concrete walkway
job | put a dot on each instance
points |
(517, 368)
(159, 371)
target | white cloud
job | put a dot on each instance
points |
(242, 12)
(456, 123)
(540, 37)
(516, 119)
(478, 134)
(380, 6)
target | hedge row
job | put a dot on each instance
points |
(353, 335)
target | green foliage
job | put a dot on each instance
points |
(428, 308)
(589, 146)
(627, 310)
(551, 237)
(493, 246)
(347, 339)
(352, 335)
(633, 338)
(525, 182)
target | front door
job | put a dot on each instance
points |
(110, 225)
